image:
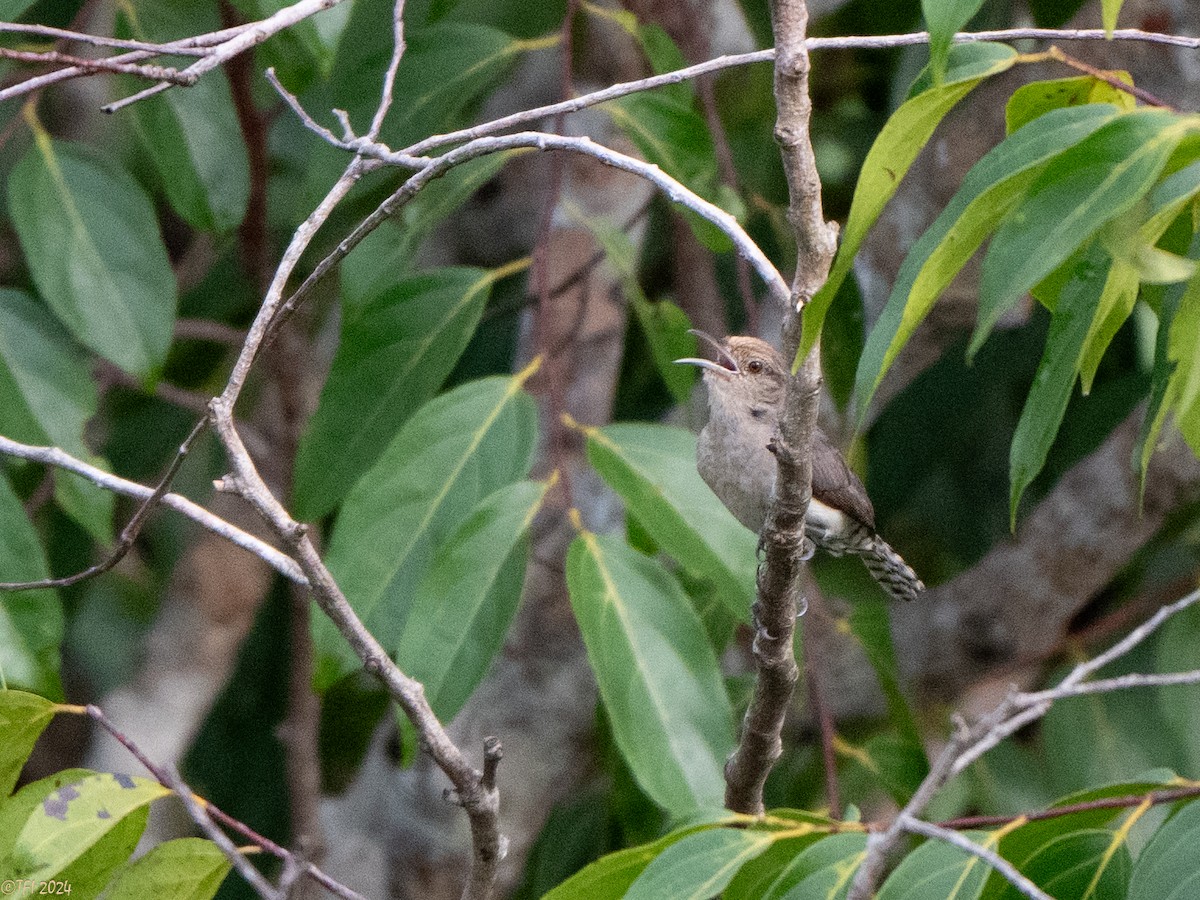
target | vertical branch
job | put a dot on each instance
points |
(782, 539)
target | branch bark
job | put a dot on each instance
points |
(782, 539)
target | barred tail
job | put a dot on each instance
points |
(891, 571)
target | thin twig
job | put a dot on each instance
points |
(1167, 795)
(988, 855)
(389, 78)
(204, 822)
(54, 456)
(129, 533)
(160, 774)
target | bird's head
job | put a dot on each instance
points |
(747, 372)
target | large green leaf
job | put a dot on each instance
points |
(1090, 184)
(938, 869)
(1066, 343)
(183, 869)
(1166, 868)
(193, 135)
(393, 356)
(451, 454)
(91, 238)
(894, 150)
(609, 877)
(463, 607)
(699, 866)
(1177, 650)
(824, 869)
(992, 186)
(657, 673)
(74, 818)
(653, 468)
(1091, 864)
(92, 869)
(31, 622)
(1031, 101)
(23, 717)
(47, 397)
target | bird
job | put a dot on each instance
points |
(745, 394)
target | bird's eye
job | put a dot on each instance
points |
(754, 366)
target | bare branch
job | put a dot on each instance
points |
(128, 534)
(53, 456)
(389, 78)
(169, 780)
(782, 539)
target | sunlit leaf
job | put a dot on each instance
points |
(23, 717)
(74, 818)
(1083, 188)
(184, 869)
(993, 185)
(1031, 101)
(894, 150)
(699, 866)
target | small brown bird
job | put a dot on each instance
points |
(745, 391)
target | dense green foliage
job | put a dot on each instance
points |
(420, 463)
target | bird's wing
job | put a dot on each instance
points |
(835, 485)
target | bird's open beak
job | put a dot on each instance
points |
(725, 365)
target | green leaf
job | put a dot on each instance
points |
(194, 137)
(657, 673)
(91, 238)
(31, 622)
(23, 717)
(11, 9)
(938, 869)
(823, 870)
(1031, 101)
(392, 358)
(945, 18)
(182, 869)
(1092, 864)
(75, 817)
(1055, 378)
(1166, 868)
(993, 186)
(653, 469)
(1110, 9)
(47, 397)
(609, 877)
(92, 870)
(699, 866)
(451, 454)
(1090, 184)
(767, 874)
(1117, 299)
(1178, 651)
(464, 605)
(1174, 360)
(387, 256)
(894, 150)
